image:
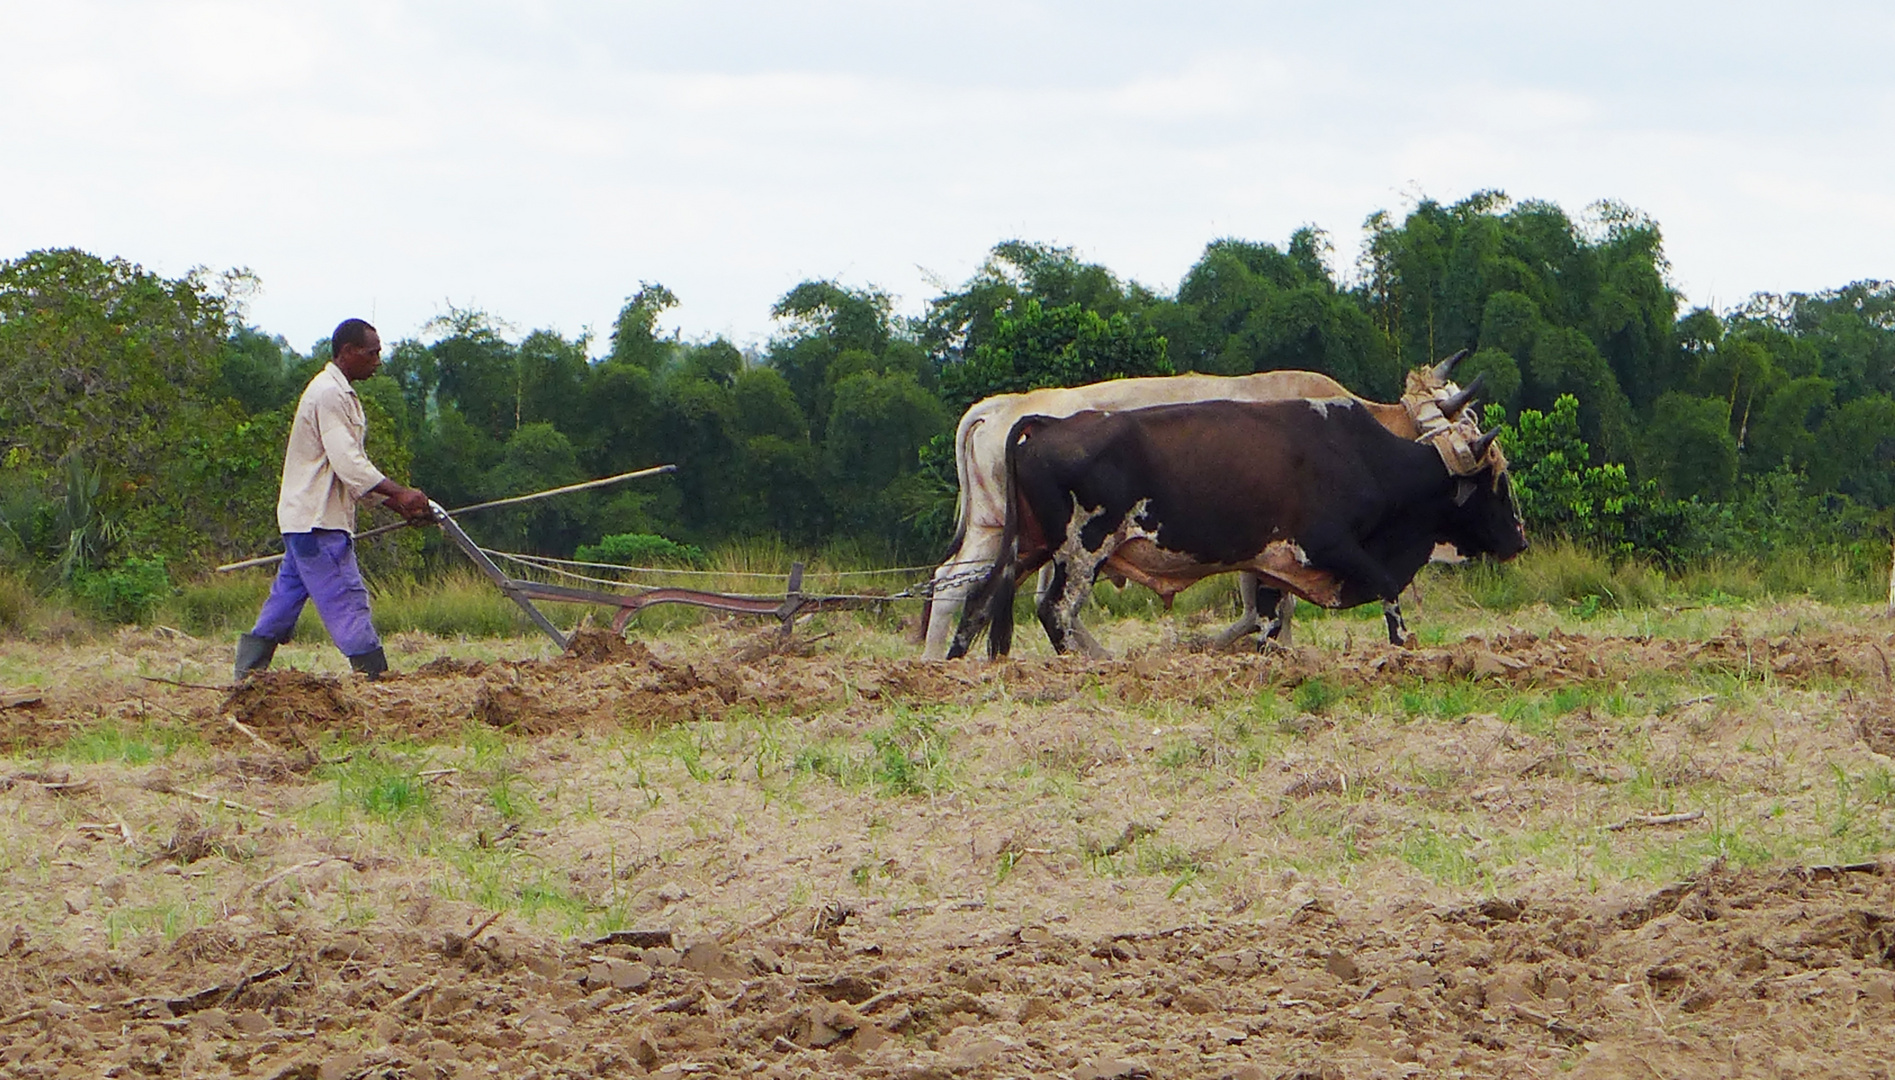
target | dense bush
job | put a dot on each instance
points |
(1599, 506)
(126, 593)
(640, 549)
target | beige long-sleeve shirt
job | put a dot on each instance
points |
(325, 469)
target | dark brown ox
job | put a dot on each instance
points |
(1315, 497)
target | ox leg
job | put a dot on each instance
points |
(1280, 624)
(1397, 629)
(981, 546)
(1052, 589)
(963, 637)
(1059, 609)
(1247, 622)
(1088, 644)
(974, 619)
(942, 607)
(1355, 567)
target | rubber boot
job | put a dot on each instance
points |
(253, 654)
(371, 663)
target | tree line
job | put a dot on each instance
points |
(142, 418)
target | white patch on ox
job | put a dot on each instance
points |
(1080, 566)
(1286, 561)
(1141, 558)
(1322, 405)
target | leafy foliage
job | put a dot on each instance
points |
(640, 549)
(1064, 346)
(1558, 490)
(127, 593)
(140, 420)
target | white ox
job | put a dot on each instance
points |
(980, 459)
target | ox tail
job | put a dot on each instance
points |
(1006, 572)
(990, 607)
(963, 464)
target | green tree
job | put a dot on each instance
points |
(1561, 494)
(1855, 451)
(635, 338)
(452, 457)
(113, 398)
(960, 321)
(692, 429)
(1690, 447)
(1784, 430)
(763, 404)
(550, 381)
(1526, 279)
(477, 371)
(1068, 346)
(1631, 315)
(1501, 372)
(258, 370)
(105, 360)
(829, 324)
(1565, 361)
(537, 457)
(1248, 307)
(880, 424)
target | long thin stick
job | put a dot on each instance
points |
(655, 470)
(265, 560)
(1656, 819)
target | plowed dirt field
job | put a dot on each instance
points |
(1546, 848)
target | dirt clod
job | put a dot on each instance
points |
(277, 703)
(595, 645)
(191, 841)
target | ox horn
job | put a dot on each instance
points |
(1480, 446)
(1452, 407)
(1446, 367)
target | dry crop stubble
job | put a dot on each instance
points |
(1539, 846)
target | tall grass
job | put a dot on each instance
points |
(25, 612)
(215, 605)
(17, 604)
(1560, 573)
(1556, 572)
(461, 602)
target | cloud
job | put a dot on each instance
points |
(545, 159)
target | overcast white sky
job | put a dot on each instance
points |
(539, 160)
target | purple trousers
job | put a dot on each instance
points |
(320, 565)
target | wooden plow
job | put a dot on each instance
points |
(786, 609)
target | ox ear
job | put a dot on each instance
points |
(1451, 408)
(1463, 491)
(1446, 367)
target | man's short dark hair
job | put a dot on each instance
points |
(349, 332)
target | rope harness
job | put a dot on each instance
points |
(1452, 439)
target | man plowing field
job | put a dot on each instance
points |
(326, 471)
